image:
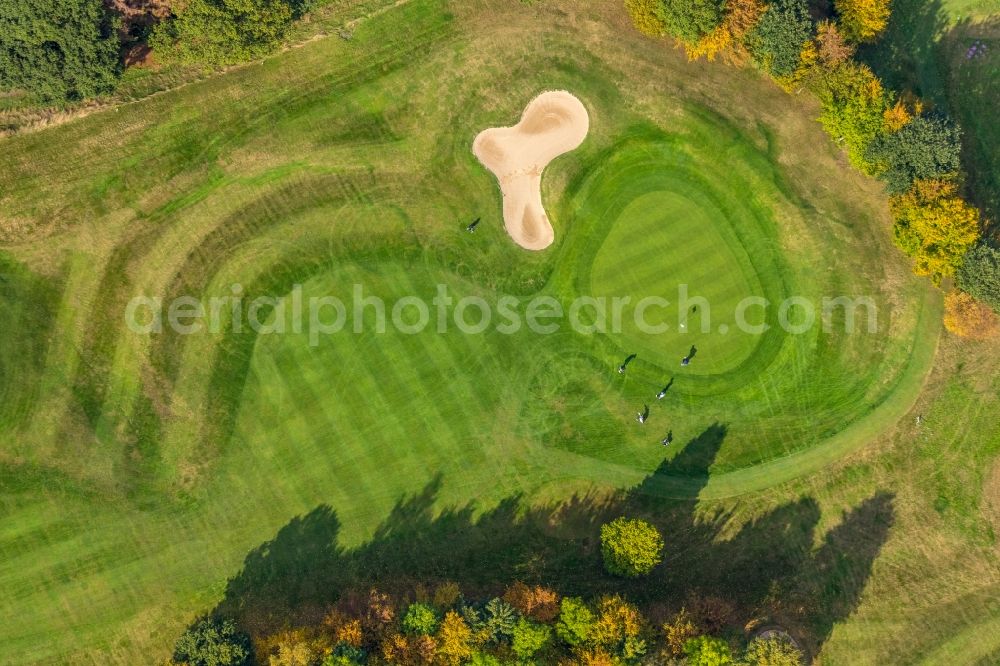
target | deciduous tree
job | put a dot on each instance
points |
(934, 226)
(539, 603)
(223, 32)
(576, 621)
(58, 50)
(529, 638)
(213, 642)
(832, 48)
(708, 651)
(966, 317)
(863, 20)
(678, 630)
(925, 148)
(897, 116)
(690, 20)
(618, 627)
(854, 104)
(777, 41)
(728, 38)
(647, 16)
(979, 274)
(631, 547)
(773, 651)
(454, 640)
(420, 619)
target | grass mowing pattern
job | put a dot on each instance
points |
(149, 466)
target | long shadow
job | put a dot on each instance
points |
(907, 55)
(296, 577)
(921, 52)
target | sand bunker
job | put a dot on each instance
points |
(552, 124)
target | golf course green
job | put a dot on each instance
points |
(138, 469)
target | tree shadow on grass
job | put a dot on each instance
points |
(767, 568)
(907, 55)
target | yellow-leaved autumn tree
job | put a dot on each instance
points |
(617, 621)
(727, 39)
(935, 226)
(454, 640)
(966, 317)
(863, 20)
(897, 116)
(678, 631)
(646, 16)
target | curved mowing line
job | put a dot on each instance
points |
(806, 462)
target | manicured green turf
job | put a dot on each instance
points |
(146, 467)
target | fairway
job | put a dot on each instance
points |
(138, 470)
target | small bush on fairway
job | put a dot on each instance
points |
(213, 642)
(631, 548)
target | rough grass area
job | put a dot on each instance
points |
(137, 472)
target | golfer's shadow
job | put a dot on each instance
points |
(692, 353)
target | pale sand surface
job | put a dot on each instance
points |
(552, 124)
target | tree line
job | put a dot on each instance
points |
(526, 625)
(66, 51)
(914, 149)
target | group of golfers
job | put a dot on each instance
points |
(643, 416)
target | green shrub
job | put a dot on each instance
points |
(575, 621)
(483, 659)
(690, 20)
(631, 548)
(979, 274)
(420, 619)
(708, 651)
(854, 105)
(776, 651)
(926, 148)
(213, 642)
(58, 50)
(776, 43)
(224, 32)
(529, 638)
(647, 15)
